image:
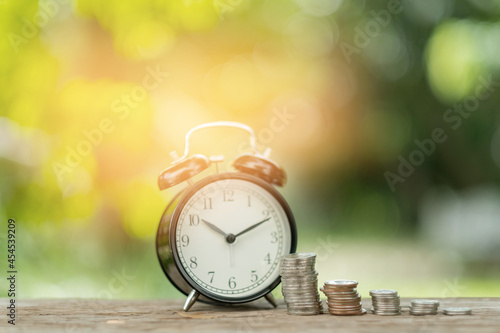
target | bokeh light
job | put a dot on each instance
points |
(96, 95)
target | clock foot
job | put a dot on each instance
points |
(192, 297)
(270, 298)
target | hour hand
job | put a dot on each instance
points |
(214, 228)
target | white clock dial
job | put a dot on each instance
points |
(230, 236)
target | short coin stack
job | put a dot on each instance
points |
(385, 302)
(299, 284)
(422, 307)
(343, 298)
(457, 311)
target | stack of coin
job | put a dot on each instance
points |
(457, 311)
(343, 298)
(422, 307)
(385, 302)
(299, 284)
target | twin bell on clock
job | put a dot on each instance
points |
(220, 239)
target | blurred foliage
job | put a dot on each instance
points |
(96, 94)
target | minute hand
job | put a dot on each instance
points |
(252, 227)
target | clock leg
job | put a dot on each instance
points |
(270, 298)
(192, 297)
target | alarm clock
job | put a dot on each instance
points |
(220, 239)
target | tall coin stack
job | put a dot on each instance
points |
(385, 302)
(299, 284)
(343, 298)
(422, 307)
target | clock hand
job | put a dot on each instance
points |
(252, 227)
(230, 239)
(231, 255)
(215, 228)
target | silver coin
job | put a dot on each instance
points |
(299, 288)
(296, 263)
(302, 305)
(312, 280)
(310, 275)
(295, 296)
(383, 299)
(299, 256)
(386, 313)
(424, 302)
(300, 293)
(308, 268)
(305, 296)
(295, 272)
(334, 291)
(422, 309)
(383, 292)
(300, 279)
(341, 282)
(457, 311)
(386, 307)
(301, 283)
(347, 292)
(304, 313)
(298, 297)
(312, 310)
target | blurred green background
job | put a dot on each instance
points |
(383, 113)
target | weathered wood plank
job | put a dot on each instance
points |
(86, 315)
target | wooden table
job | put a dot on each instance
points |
(87, 315)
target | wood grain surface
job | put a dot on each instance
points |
(88, 315)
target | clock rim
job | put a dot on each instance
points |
(188, 193)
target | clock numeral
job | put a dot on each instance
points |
(228, 195)
(212, 273)
(265, 213)
(232, 283)
(254, 276)
(274, 238)
(185, 240)
(194, 220)
(207, 203)
(268, 259)
(193, 263)
(249, 201)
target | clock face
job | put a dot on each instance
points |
(229, 237)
